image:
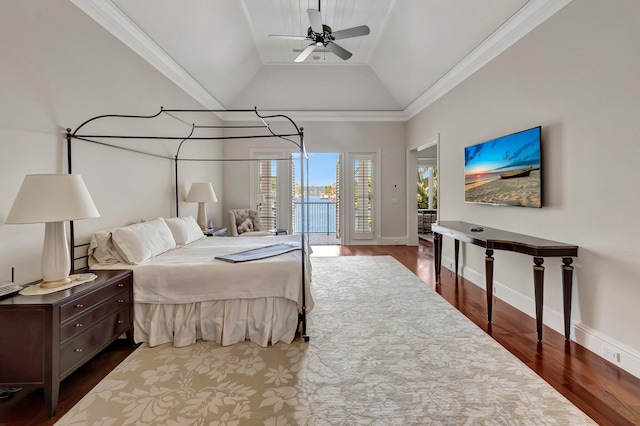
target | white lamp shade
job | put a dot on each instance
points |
(201, 193)
(260, 199)
(52, 198)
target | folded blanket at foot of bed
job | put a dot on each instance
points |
(259, 253)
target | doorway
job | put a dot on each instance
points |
(423, 157)
(323, 195)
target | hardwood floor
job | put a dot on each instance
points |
(605, 393)
(27, 406)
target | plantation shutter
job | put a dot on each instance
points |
(267, 184)
(338, 194)
(363, 220)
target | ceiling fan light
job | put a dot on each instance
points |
(319, 43)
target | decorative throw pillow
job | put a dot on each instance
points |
(185, 230)
(245, 226)
(253, 215)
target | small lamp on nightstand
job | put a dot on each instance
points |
(53, 199)
(201, 193)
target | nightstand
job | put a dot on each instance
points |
(45, 338)
(216, 232)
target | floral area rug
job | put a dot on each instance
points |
(384, 350)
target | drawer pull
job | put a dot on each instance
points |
(120, 285)
(79, 324)
(120, 300)
(77, 350)
(120, 322)
(79, 305)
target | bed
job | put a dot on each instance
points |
(182, 293)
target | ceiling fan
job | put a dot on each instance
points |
(322, 37)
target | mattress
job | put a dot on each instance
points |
(186, 294)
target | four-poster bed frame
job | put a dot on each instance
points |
(267, 133)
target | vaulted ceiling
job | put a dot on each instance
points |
(220, 51)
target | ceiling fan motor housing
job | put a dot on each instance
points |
(320, 39)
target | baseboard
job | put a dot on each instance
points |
(393, 241)
(621, 355)
(386, 241)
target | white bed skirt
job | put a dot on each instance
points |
(262, 320)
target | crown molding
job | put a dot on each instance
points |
(308, 115)
(107, 14)
(521, 23)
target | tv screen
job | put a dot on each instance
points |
(505, 171)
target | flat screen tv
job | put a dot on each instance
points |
(505, 171)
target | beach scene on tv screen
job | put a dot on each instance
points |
(504, 171)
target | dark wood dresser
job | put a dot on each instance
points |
(45, 338)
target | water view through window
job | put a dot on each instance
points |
(321, 214)
(322, 194)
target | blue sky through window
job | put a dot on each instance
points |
(322, 168)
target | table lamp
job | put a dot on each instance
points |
(201, 193)
(53, 199)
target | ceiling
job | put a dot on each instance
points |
(221, 54)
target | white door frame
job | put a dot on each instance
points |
(412, 167)
(350, 193)
(284, 183)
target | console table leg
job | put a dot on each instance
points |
(437, 254)
(538, 283)
(488, 267)
(456, 255)
(567, 284)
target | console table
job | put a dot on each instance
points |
(495, 239)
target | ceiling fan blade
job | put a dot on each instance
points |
(362, 30)
(288, 37)
(316, 20)
(338, 50)
(305, 53)
(317, 50)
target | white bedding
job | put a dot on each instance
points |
(185, 294)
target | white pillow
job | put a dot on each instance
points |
(185, 230)
(101, 250)
(142, 241)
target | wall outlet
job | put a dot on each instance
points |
(610, 354)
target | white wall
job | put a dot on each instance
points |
(577, 76)
(388, 137)
(59, 68)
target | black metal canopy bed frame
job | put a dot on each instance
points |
(263, 130)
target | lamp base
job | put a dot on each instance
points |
(202, 216)
(57, 283)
